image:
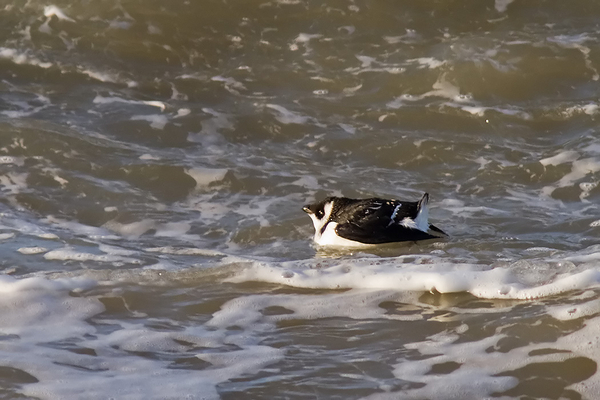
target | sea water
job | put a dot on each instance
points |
(155, 157)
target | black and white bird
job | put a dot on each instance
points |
(340, 221)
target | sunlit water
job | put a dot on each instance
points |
(155, 157)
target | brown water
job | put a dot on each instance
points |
(155, 157)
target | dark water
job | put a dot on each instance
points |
(155, 156)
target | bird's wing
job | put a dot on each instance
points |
(378, 221)
(395, 233)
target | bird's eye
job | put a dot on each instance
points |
(320, 214)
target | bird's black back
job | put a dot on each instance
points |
(370, 220)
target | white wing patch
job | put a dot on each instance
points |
(408, 222)
(393, 217)
(421, 222)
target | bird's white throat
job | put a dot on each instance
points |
(320, 223)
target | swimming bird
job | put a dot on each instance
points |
(340, 221)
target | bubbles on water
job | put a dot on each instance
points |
(530, 272)
(7, 160)
(586, 188)
(540, 250)
(288, 274)
(32, 250)
(396, 70)
(464, 97)
(48, 236)
(563, 266)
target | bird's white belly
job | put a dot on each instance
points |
(331, 238)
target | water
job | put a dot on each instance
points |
(155, 157)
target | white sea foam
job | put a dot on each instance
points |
(13, 182)
(26, 108)
(206, 176)
(286, 116)
(480, 372)
(257, 209)
(37, 316)
(7, 235)
(245, 312)
(231, 84)
(428, 274)
(308, 182)
(482, 369)
(182, 112)
(502, 5)
(12, 160)
(113, 250)
(480, 111)
(134, 230)
(441, 88)
(475, 379)
(186, 251)
(561, 158)
(589, 109)
(22, 58)
(428, 62)
(32, 250)
(371, 64)
(458, 208)
(410, 37)
(157, 121)
(580, 168)
(50, 11)
(582, 342)
(210, 210)
(475, 360)
(148, 156)
(91, 232)
(211, 127)
(108, 100)
(173, 229)
(24, 227)
(40, 310)
(107, 77)
(131, 230)
(306, 37)
(68, 254)
(574, 311)
(576, 42)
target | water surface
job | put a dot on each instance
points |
(155, 157)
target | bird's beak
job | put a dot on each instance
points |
(306, 210)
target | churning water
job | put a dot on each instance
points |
(154, 160)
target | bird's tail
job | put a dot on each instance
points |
(423, 202)
(434, 230)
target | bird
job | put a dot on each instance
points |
(341, 221)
